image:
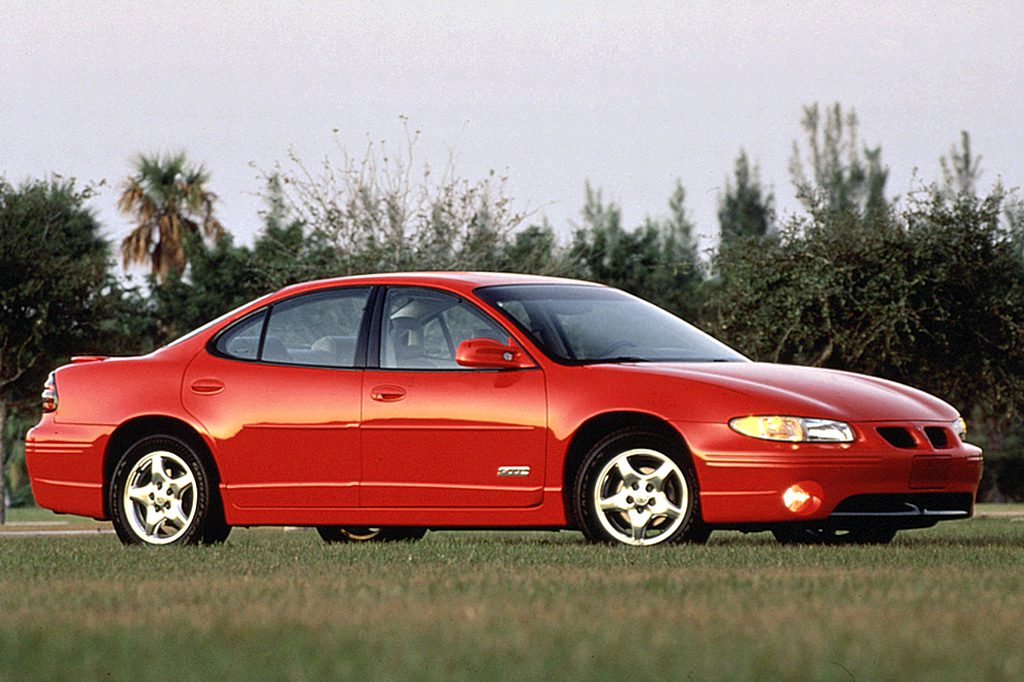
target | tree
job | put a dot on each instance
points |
(843, 176)
(55, 291)
(375, 214)
(933, 296)
(960, 171)
(535, 250)
(360, 217)
(282, 254)
(597, 249)
(656, 261)
(220, 278)
(745, 211)
(224, 275)
(167, 198)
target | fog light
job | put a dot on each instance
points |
(803, 498)
(795, 498)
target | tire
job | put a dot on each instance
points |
(160, 494)
(331, 534)
(637, 488)
(815, 535)
(216, 529)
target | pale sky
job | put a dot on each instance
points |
(628, 95)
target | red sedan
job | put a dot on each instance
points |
(377, 407)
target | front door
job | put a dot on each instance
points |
(436, 434)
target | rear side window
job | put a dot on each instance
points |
(319, 330)
(243, 340)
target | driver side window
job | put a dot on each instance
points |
(422, 329)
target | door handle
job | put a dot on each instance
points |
(207, 386)
(387, 394)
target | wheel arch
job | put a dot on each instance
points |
(597, 427)
(131, 431)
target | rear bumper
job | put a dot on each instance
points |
(65, 465)
(743, 480)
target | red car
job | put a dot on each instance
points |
(377, 407)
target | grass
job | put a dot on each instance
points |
(943, 603)
(37, 518)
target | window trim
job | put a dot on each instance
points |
(377, 337)
(548, 353)
(362, 336)
(522, 329)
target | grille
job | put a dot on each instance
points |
(913, 504)
(937, 435)
(897, 436)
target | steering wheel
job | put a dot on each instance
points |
(615, 348)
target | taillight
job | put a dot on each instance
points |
(50, 394)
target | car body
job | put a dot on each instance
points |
(378, 406)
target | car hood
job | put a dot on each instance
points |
(810, 391)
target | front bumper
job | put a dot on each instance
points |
(742, 480)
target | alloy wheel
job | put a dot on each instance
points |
(160, 498)
(641, 497)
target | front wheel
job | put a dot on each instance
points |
(637, 488)
(332, 534)
(160, 494)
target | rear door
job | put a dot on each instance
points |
(436, 434)
(281, 395)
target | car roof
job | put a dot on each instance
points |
(457, 281)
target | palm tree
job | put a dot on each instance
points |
(166, 197)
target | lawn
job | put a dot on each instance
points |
(943, 603)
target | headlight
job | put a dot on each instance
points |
(793, 429)
(960, 428)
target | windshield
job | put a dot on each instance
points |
(579, 323)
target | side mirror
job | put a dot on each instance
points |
(491, 354)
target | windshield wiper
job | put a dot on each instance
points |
(636, 358)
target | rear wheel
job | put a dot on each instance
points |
(367, 534)
(160, 494)
(637, 488)
(821, 535)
